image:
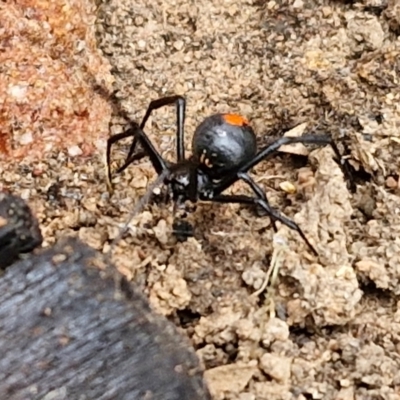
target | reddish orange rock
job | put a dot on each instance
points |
(50, 74)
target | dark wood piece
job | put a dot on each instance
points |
(72, 327)
(19, 229)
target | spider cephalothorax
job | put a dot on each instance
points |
(224, 151)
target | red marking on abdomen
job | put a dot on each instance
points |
(235, 119)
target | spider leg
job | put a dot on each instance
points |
(134, 157)
(271, 211)
(110, 142)
(274, 214)
(272, 148)
(180, 103)
(158, 162)
(181, 228)
(241, 199)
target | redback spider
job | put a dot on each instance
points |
(224, 150)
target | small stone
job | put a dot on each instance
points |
(178, 45)
(59, 258)
(26, 138)
(288, 187)
(391, 183)
(18, 92)
(326, 11)
(298, 4)
(345, 383)
(74, 151)
(161, 231)
(277, 367)
(275, 329)
(247, 396)
(231, 378)
(25, 194)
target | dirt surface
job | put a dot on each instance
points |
(329, 326)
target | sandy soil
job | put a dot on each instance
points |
(327, 327)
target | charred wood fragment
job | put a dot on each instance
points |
(19, 229)
(72, 327)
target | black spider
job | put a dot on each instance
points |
(224, 150)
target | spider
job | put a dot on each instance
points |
(224, 151)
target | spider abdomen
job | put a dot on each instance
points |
(223, 142)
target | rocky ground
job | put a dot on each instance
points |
(268, 319)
